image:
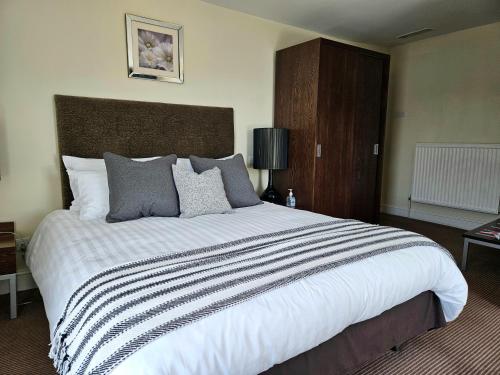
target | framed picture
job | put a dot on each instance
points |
(155, 49)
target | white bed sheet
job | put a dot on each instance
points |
(255, 335)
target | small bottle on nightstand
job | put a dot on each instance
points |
(290, 200)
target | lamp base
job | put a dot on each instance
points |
(272, 196)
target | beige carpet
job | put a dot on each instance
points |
(24, 342)
(470, 345)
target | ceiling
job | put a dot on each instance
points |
(373, 21)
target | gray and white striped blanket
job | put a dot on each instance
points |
(122, 309)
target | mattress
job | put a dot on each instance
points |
(250, 337)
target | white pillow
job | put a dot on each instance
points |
(227, 157)
(83, 164)
(74, 165)
(184, 164)
(93, 194)
(88, 164)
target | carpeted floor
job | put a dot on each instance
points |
(470, 345)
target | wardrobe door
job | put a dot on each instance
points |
(334, 135)
(368, 123)
(296, 83)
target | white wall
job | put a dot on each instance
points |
(78, 48)
(443, 89)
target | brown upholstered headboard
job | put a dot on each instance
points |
(88, 127)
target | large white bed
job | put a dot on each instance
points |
(235, 293)
(256, 334)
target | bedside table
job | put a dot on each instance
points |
(8, 263)
(483, 235)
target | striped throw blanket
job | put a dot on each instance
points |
(122, 309)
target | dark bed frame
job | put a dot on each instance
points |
(87, 127)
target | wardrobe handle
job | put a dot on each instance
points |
(318, 150)
(375, 149)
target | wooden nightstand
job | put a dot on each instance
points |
(8, 263)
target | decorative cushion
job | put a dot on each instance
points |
(200, 194)
(140, 189)
(239, 188)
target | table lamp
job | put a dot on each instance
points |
(270, 151)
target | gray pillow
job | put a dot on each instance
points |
(200, 194)
(239, 188)
(139, 189)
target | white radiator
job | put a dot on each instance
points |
(465, 176)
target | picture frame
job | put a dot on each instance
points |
(155, 49)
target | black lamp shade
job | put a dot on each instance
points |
(270, 148)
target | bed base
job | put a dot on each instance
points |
(364, 342)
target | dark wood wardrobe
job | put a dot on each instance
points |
(333, 98)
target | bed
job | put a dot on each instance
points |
(377, 288)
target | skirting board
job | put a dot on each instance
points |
(456, 222)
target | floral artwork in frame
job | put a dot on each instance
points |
(155, 49)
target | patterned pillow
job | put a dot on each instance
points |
(200, 194)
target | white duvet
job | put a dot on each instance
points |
(253, 336)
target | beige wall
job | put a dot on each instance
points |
(78, 48)
(442, 89)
